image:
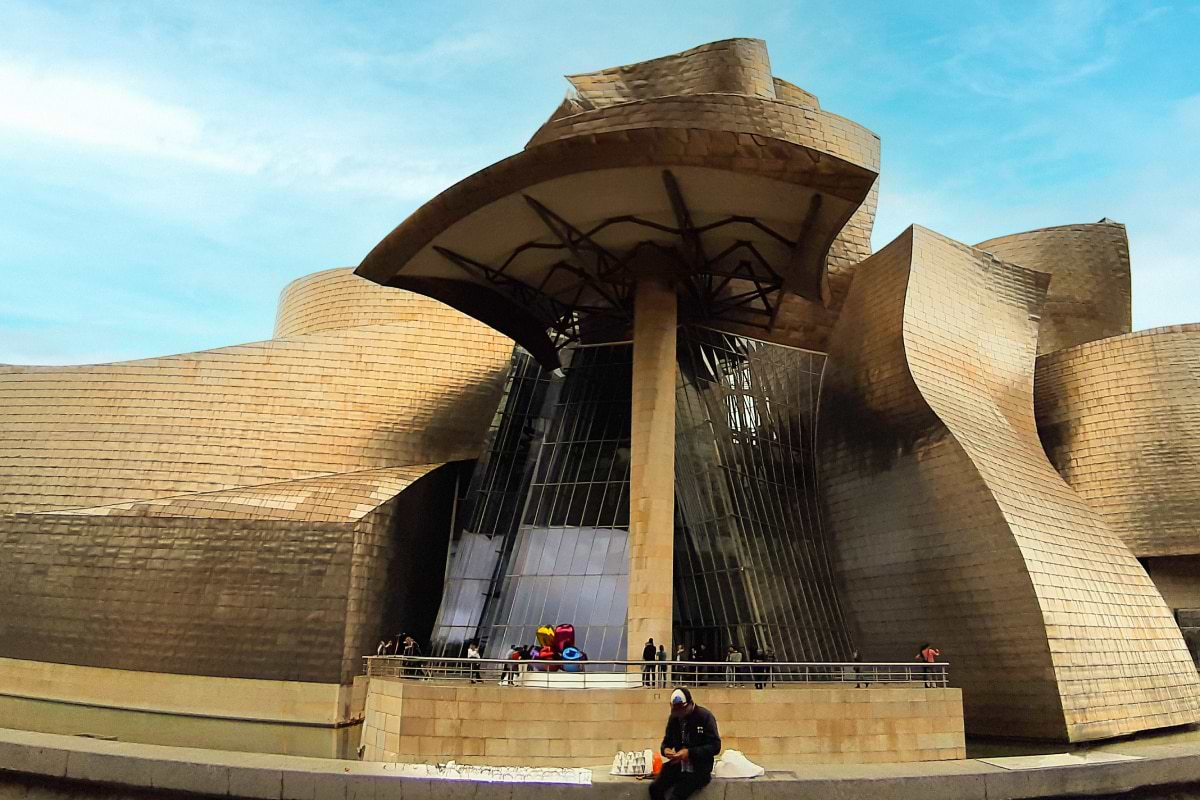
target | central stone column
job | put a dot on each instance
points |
(652, 467)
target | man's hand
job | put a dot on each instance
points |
(669, 752)
(678, 755)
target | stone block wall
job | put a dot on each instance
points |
(418, 722)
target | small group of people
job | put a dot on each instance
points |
(516, 654)
(654, 673)
(402, 645)
(688, 666)
(405, 646)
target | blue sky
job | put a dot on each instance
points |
(166, 168)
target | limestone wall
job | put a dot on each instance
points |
(189, 695)
(419, 722)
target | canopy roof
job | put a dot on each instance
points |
(736, 181)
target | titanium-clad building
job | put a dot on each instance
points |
(827, 449)
(725, 421)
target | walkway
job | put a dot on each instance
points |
(89, 768)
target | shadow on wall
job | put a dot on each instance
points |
(419, 536)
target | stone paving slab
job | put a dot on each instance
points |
(104, 765)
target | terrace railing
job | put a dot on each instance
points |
(660, 674)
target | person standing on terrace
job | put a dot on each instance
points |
(927, 655)
(648, 657)
(474, 657)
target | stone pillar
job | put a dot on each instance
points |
(652, 468)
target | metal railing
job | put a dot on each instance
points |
(659, 674)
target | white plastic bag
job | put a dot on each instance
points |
(733, 764)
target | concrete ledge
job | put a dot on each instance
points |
(75, 767)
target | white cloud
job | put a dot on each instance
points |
(96, 112)
(69, 106)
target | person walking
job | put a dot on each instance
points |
(701, 655)
(474, 657)
(690, 745)
(856, 658)
(661, 658)
(681, 656)
(928, 655)
(381, 648)
(648, 667)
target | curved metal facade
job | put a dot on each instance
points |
(1090, 284)
(251, 511)
(359, 397)
(336, 299)
(1120, 421)
(951, 526)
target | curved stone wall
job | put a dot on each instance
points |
(952, 527)
(1120, 421)
(1089, 295)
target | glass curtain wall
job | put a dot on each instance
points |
(492, 509)
(569, 562)
(545, 526)
(751, 563)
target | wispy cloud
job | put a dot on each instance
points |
(447, 52)
(1017, 53)
(73, 107)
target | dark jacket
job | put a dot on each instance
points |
(648, 653)
(698, 733)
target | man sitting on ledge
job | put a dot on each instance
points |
(690, 745)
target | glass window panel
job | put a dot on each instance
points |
(583, 551)
(585, 613)
(551, 541)
(615, 560)
(599, 554)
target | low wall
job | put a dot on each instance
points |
(38, 766)
(290, 702)
(419, 722)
